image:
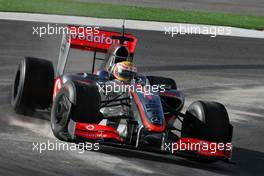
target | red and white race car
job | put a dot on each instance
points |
(83, 109)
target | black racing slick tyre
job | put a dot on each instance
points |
(157, 80)
(75, 101)
(33, 85)
(207, 121)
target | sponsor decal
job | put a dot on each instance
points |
(90, 127)
(103, 39)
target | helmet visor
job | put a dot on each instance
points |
(126, 74)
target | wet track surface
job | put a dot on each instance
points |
(225, 69)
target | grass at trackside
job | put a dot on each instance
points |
(77, 8)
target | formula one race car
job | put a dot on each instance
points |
(116, 105)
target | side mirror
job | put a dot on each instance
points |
(103, 75)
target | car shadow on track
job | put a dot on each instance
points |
(169, 159)
(247, 162)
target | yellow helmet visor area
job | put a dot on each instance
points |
(124, 71)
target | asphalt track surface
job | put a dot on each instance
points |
(252, 7)
(225, 69)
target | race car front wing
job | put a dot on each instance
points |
(190, 146)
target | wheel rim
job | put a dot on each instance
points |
(62, 111)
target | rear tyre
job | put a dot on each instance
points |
(76, 102)
(157, 80)
(33, 85)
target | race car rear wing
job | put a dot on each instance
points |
(96, 41)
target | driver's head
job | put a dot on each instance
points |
(124, 71)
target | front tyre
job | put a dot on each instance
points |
(77, 102)
(207, 121)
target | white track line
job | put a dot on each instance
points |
(130, 24)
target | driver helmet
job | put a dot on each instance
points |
(124, 71)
